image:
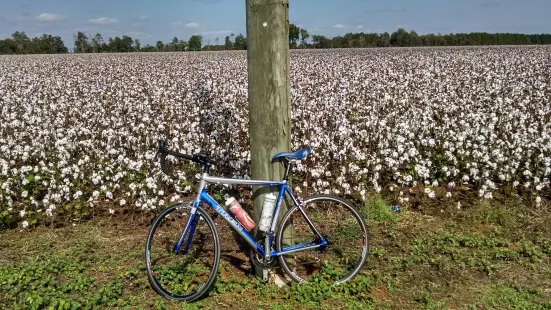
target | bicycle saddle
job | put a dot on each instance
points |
(300, 154)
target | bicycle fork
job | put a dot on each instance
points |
(190, 228)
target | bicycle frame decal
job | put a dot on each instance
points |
(203, 196)
(235, 224)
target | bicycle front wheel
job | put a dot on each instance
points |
(340, 223)
(185, 275)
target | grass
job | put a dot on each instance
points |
(376, 209)
(492, 255)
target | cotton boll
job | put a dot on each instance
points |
(372, 117)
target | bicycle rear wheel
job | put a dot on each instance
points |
(340, 223)
(188, 274)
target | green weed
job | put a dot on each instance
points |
(514, 297)
(429, 303)
(59, 283)
(505, 216)
(377, 209)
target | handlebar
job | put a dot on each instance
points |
(202, 158)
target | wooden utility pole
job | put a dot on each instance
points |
(269, 94)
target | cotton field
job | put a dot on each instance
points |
(77, 132)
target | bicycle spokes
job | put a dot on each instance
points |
(342, 239)
(184, 271)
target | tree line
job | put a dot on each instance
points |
(20, 43)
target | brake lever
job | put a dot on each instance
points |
(158, 151)
(156, 157)
(163, 165)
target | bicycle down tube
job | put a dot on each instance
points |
(203, 196)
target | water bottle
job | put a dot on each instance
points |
(267, 212)
(240, 214)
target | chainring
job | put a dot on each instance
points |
(260, 262)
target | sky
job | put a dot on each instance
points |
(150, 21)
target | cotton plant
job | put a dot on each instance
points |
(83, 129)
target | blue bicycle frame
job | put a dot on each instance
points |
(203, 196)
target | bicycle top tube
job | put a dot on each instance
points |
(217, 180)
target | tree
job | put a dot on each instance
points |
(399, 38)
(384, 40)
(127, 43)
(104, 47)
(21, 42)
(228, 44)
(321, 41)
(55, 44)
(97, 42)
(47, 44)
(303, 36)
(20, 36)
(137, 44)
(195, 42)
(160, 46)
(121, 45)
(148, 48)
(336, 42)
(115, 45)
(82, 44)
(182, 45)
(240, 42)
(217, 40)
(294, 32)
(413, 38)
(7, 46)
(173, 46)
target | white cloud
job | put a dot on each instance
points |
(143, 17)
(204, 33)
(140, 34)
(192, 25)
(47, 17)
(103, 21)
(340, 26)
(359, 26)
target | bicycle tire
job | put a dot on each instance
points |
(357, 215)
(151, 274)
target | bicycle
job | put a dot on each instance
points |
(189, 282)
